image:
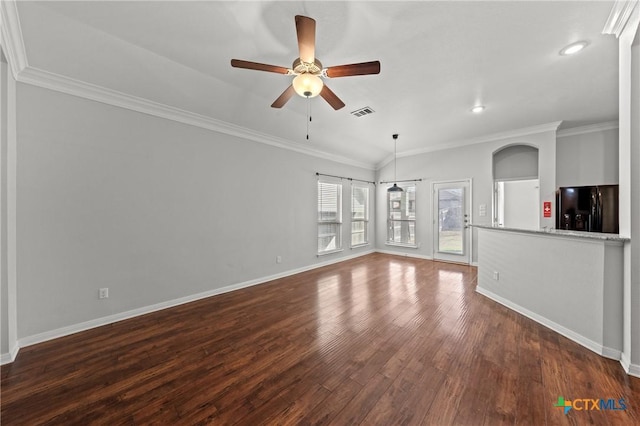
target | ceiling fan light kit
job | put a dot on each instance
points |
(308, 70)
(307, 85)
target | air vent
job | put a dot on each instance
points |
(362, 111)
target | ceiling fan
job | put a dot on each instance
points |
(308, 69)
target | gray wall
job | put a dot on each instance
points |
(472, 161)
(588, 159)
(4, 279)
(150, 208)
(632, 313)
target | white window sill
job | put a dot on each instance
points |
(414, 246)
(359, 245)
(329, 252)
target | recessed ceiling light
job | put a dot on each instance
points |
(477, 109)
(573, 48)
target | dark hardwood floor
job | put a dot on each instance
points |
(378, 340)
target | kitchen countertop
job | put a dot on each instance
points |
(560, 233)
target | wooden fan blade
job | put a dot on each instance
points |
(328, 95)
(306, 29)
(363, 68)
(237, 63)
(282, 99)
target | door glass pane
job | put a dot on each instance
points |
(451, 220)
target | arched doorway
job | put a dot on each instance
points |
(516, 187)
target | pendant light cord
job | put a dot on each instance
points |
(395, 160)
(395, 188)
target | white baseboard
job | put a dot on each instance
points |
(570, 334)
(629, 368)
(98, 322)
(404, 254)
(419, 256)
(10, 356)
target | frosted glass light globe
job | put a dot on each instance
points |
(307, 85)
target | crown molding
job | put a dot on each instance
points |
(598, 127)
(619, 16)
(11, 37)
(525, 131)
(59, 83)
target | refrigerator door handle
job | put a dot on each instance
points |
(599, 208)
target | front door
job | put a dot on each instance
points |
(451, 201)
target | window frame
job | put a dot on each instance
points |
(323, 222)
(412, 223)
(366, 219)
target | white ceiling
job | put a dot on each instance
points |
(438, 59)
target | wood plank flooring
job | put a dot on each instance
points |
(378, 340)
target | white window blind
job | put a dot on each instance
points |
(359, 215)
(401, 216)
(329, 217)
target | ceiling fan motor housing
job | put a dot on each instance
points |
(300, 67)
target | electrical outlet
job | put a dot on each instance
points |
(278, 259)
(496, 275)
(103, 293)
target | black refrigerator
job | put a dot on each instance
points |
(588, 208)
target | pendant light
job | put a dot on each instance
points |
(395, 187)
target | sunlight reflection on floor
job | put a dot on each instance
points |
(346, 303)
(451, 309)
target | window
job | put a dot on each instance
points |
(401, 217)
(359, 215)
(329, 217)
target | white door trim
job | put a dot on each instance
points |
(468, 181)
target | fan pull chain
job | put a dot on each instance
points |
(308, 115)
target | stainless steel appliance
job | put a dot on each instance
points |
(588, 208)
